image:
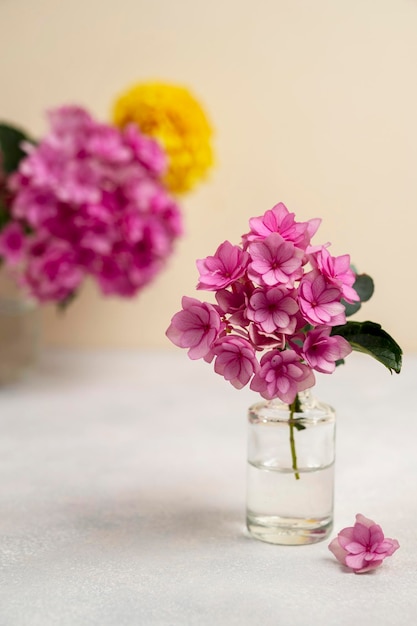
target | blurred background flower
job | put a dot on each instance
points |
(172, 115)
(88, 200)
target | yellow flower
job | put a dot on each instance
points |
(170, 114)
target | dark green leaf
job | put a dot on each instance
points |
(370, 338)
(63, 305)
(350, 309)
(340, 362)
(364, 287)
(11, 139)
(4, 214)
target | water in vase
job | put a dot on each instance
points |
(286, 510)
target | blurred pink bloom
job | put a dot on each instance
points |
(52, 273)
(196, 327)
(362, 547)
(282, 375)
(93, 190)
(280, 220)
(12, 243)
(319, 300)
(146, 150)
(275, 262)
(273, 309)
(321, 351)
(235, 360)
(225, 267)
(338, 271)
(69, 122)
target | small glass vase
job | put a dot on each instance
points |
(290, 484)
(19, 331)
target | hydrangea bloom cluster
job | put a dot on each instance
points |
(173, 116)
(278, 298)
(88, 201)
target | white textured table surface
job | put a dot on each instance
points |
(122, 498)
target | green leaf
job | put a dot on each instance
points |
(370, 338)
(11, 139)
(364, 287)
(4, 214)
(351, 308)
(63, 305)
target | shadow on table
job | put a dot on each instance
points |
(136, 522)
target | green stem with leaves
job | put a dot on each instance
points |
(295, 407)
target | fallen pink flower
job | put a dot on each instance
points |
(362, 547)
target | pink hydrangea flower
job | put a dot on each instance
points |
(52, 272)
(282, 375)
(146, 150)
(321, 351)
(12, 243)
(275, 261)
(338, 271)
(273, 309)
(280, 220)
(92, 189)
(362, 547)
(261, 340)
(235, 360)
(278, 298)
(196, 327)
(319, 300)
(233, 303)
(223, 268)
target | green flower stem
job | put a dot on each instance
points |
(294, 408)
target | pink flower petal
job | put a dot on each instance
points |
(345, 536)
(365, 521)
(339, 552)
(354, 547)
(355, 561)
(361, 533)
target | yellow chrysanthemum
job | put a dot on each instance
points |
(170, 114)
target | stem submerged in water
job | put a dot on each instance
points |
(294, 408)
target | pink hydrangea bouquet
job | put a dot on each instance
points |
(86, 200)
(280, 310)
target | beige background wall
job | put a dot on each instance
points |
(314, 103)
